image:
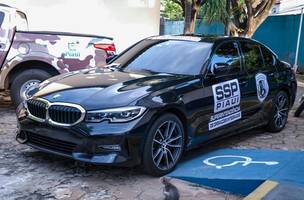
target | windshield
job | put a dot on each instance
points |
(165, 56)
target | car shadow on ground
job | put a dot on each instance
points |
(62, 163)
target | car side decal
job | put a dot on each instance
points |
(227, 97)
(262, 86)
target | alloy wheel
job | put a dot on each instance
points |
(167, 145)
(281, 111)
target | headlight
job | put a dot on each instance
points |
(123, 114)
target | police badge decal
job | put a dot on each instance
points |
(262, 86)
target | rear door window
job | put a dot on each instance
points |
(252, 56)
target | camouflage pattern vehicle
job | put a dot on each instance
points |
(29, 57)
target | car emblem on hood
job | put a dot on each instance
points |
(56, 96)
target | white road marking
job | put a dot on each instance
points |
(243, 160)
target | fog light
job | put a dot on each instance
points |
(21, 137)
(111, 147)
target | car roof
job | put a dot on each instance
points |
(198, 38)
(213, 39)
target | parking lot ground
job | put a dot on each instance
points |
(26, 173)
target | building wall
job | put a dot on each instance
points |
(288, 7)
(280, 33)
(126, 20)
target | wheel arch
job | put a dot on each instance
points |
(27, 65)
(288, 91)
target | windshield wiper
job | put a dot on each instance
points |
(144, 71)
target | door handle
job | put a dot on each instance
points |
(242, 83)
(274, 75)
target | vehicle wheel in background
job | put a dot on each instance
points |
(279, 113)
(299, 110)
(25, 80)
(164, 145)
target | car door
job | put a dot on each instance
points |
(261, 79)
(225, 80)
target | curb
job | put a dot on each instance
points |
(262, 190)
(272, 190)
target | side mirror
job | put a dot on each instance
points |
(221, 68)
(210, 74)
(217, 69)
(211, 71)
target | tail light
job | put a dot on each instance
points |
(108, 48)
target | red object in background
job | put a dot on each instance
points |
(109, 48)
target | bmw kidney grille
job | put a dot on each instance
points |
(62, 114)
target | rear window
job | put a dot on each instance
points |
(269, 58)
(166, 56)
(252, 55)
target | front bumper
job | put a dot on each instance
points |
(97, 143)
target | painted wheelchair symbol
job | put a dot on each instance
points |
(243, 160)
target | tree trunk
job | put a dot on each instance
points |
(188, 17)
(193, 20)
(256, 12)
(191, 7)
(227, 21)
(256, 16)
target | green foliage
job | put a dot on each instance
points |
(217, 10)
(171, 10)
(214, 10)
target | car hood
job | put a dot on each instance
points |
(99, 89)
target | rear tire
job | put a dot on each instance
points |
(279, 113)
(24, 80)
(164, 145)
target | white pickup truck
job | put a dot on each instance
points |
(30, 57)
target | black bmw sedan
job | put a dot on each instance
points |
(158, 98)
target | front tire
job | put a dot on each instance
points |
(164, 145)
(23, 81)
(279, 113)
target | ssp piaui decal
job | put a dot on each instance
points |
(227, 99)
